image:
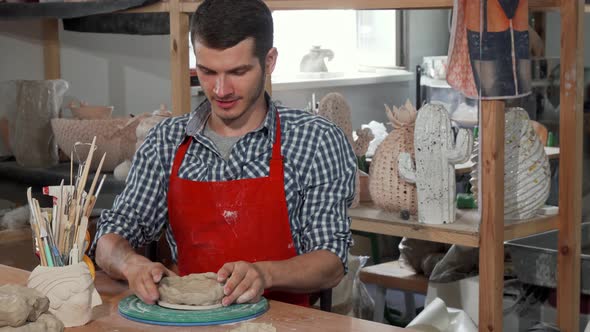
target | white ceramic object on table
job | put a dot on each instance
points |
(435, 155)
(527, 176)
(70, 290)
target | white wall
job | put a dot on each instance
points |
(428, 34)
(132, 72)
(553, 36)
(129, 72)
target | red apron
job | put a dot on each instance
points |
(238, 220)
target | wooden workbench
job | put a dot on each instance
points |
(283, 316)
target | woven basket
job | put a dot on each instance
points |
(114, 136)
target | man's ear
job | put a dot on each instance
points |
(271, 60)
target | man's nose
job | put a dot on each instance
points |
(222, 86)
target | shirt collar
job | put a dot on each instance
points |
(198, 118)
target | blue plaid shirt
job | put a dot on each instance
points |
(319, 167)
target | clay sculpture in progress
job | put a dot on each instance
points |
(24, 309)
(70, 290)
(193, 292)
(436, 154)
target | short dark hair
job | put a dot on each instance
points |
(221, 24)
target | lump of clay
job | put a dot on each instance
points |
(20, 304)
(194, 289)
(45, 323)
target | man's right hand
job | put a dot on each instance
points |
(143, 276)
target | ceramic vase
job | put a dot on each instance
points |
(36, 103)
(388, 191)
(436, 154)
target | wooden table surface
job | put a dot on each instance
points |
(283, 316)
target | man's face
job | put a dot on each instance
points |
(232, 79)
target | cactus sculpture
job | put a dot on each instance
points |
(436, 156)
(388, 191)
(335, 108)
(527, 175)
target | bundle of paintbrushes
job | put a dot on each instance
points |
(60, 232)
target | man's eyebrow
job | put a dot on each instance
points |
(238, 68)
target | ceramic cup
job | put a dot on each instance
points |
(70, 290)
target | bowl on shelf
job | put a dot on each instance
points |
(91, 112)
(114, 136)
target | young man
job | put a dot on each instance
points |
(240, 187)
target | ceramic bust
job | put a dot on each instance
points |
(70, 290)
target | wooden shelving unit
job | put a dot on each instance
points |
(487, 232)
(464, 231)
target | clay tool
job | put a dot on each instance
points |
(34, 229)
(46, 251)
(81, 235)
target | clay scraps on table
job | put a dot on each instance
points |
(25, 309)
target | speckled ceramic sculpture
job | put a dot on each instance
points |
(114, 136)
(527, 175)
(436, 155)
(335, 108)
(388, 190)
(70, 290)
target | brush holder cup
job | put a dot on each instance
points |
(70, 290)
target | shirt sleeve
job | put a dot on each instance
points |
(328, 194)
(140, 212)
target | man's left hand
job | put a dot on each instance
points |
(244, 282)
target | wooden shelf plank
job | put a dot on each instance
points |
(191, 6)
(464, 231)
(158, 7)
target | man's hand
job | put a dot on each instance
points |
(244, 282)
(143, 275)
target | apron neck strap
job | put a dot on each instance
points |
(276, 147)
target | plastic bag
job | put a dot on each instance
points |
(29, 109)
(458, 263)
(350, 297)
(362, 302)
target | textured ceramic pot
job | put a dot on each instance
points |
(115, 137)
(388, 190)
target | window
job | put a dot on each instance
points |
(358, 38)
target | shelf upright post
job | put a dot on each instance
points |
(570, 170)
(179, 59)
(51, 53)
(491, 246)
